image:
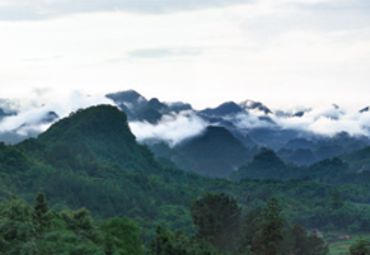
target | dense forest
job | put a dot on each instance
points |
(134, 203)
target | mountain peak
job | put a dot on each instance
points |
(365, 109)
(93, 120)
(265, 165)
(128, 96)
(216, 152)
(226, 108)
(267, 155)
(254, 105)
(100, 133)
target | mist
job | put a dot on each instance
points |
(172, 129)
(32, 115)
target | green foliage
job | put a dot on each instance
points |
(41, 216)
(269, 236)
(168, 243)
(361, 247)
(39, 231)
(121, 237)
(217, 217)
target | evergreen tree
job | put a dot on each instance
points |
(41, 217)
(270, 235)
(303, 243)
(300, 240)
(217, 217)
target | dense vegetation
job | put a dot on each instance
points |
(91, 160)
(221, 229)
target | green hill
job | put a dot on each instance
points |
(215, 153)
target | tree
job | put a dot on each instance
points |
(122, 236)
(300, 240)
(169, 243)
(41, 217)
(17, 233)
(217, 217)
(249, 227)
(361, 247)
(303, 243)
(317, 245)
(161, 245)
(270, 235)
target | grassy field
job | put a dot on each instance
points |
(338, 247)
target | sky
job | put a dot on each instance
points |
(280, 52)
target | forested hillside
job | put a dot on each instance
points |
(92, 160)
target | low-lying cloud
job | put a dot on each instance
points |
(36, 114)
(172, 129)
(324, 120)
(328, 121)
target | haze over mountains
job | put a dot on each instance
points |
(195, 139)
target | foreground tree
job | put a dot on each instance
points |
(41, 216)
(122, 236)
(38, 230)
(217, 217)
(169, 243)
(269, 237)
(361, 247)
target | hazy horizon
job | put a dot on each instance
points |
(282, 52)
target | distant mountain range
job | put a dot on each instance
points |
(231, 134)
(248, 124)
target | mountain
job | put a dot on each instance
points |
(97, 133)
(364, 110)
(332, 170)
(6, 113)
(91, 159)
(179, 106)
(216, 153)
(266, 165)
(138, 108)
(310, 150)
(253, 123)
(358, 161)
(300, 157)
(49, 117)
(127, 99)
(250, 105)
(228, 108)
(273, 136)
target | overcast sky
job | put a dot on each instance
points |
(282, 52)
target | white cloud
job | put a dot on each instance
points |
(172, 129)
(329, 121)
(33, 110)
(249, 121)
